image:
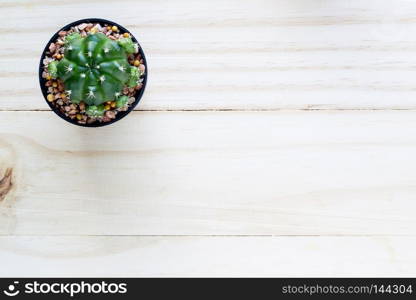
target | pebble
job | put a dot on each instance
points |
(138, 87)
(91, 120)
(98, 26)
(47, 60)
(52, 47)
(110, 114)
(62, 33)
(82, 26)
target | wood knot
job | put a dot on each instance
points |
(6, 183)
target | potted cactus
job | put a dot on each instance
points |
(93, 72)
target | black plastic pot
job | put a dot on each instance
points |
(120, 114)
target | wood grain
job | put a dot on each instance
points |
(203, 173)
(207, 256)
(311, 175)
(236, 54)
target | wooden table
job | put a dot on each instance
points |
(275, 138)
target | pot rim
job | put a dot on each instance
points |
(120, 114)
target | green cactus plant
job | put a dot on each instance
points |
(121, 101)
(95, 69)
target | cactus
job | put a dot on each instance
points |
(95, 69)
(121, 101)
(95, 111)
(128, 45)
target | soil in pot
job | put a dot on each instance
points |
(92, 73)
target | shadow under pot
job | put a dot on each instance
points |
(92, 72)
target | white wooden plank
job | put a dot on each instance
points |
(203, 173)
(207, 256)
(236, 54)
